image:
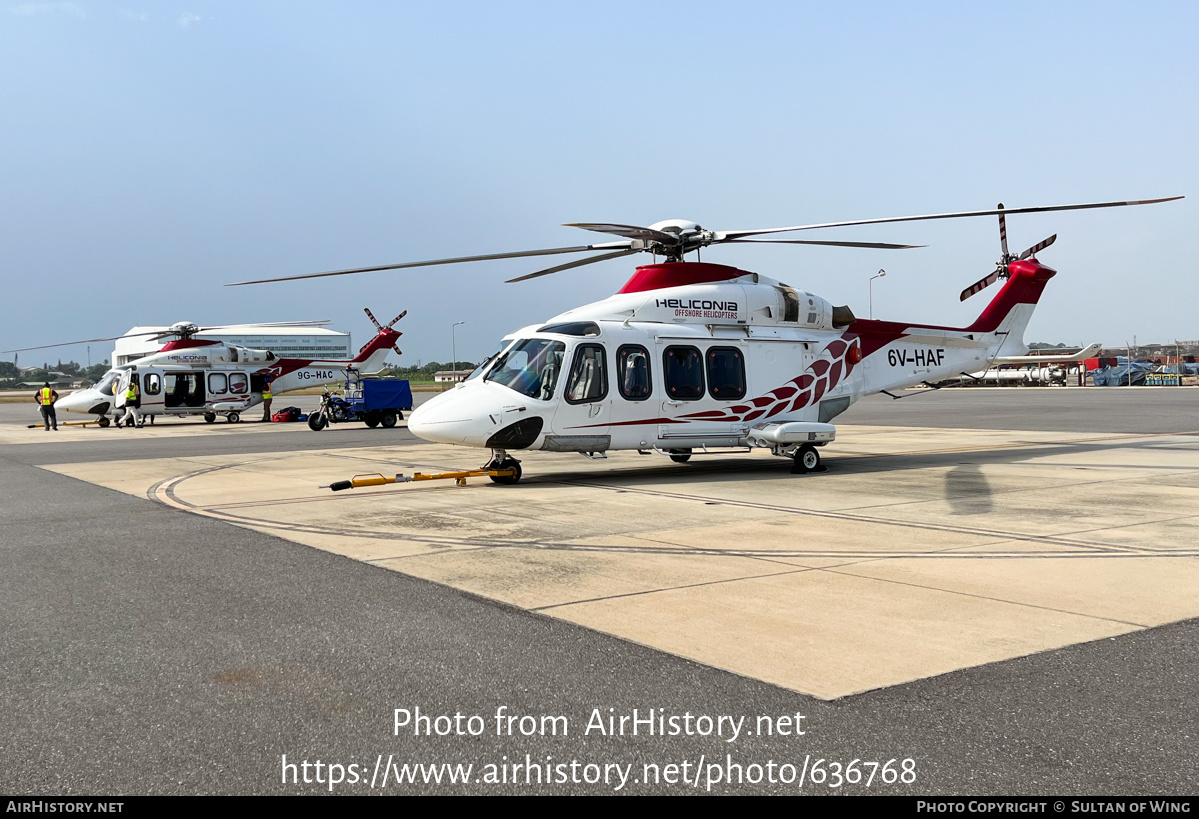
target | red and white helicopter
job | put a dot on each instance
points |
(694, 357)
(200, 376)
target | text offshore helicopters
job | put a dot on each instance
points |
(696, 356)
(198, 376)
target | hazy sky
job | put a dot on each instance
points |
(152, 153)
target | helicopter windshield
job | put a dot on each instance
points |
(530, 367)
(479, 370)
(108, 382)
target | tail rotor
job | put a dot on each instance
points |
(387, 326)
(1001, 267)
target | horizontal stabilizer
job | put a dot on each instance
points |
(1087, 352)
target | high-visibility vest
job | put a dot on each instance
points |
(266, 392)
(131, 393)
(46, 397)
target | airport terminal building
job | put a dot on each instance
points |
(284, 342)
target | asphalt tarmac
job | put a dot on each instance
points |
(146, 650)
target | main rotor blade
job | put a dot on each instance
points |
(1038, 247)
(627, 231)
(727, 235)
(312, 323)
(569, 265)
(82, 341)
(484, 258)
(166, 333)
(315, 323)
(981, 284)
(1002, 232)
(876, 245)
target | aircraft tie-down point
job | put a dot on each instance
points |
(693, 357)
(199, 376)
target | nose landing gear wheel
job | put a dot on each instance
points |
(507, 463)
(807, 459)
(102, 421)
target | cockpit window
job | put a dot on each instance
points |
(108, 383)
(530, 367)
(479, 370)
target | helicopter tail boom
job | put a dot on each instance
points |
(1006, 316)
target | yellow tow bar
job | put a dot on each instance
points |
(377, 479)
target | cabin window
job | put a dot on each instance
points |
(530, 367)
(153, 384)
(588, 375)
(726, 373)
(683, 368)
(632, 372)
(218, 384)
(238, 383)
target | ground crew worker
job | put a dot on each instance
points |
(266, 398)
(45, 398)
(133, 400)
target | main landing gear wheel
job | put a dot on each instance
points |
(389, 419)
(680, 456)
(233, 417)
(506, 463)
(317, 421)
(102, 421)
(209, 417)
(807, 459)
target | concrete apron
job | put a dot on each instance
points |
(919, 552)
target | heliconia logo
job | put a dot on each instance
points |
(697, 304)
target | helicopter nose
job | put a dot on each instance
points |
(78, 401)
(459, 416)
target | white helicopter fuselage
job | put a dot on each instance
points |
(697, 356)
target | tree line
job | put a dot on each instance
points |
(11, 376)
(425, 372)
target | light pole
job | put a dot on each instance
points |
(870, 286)
(454, 347)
